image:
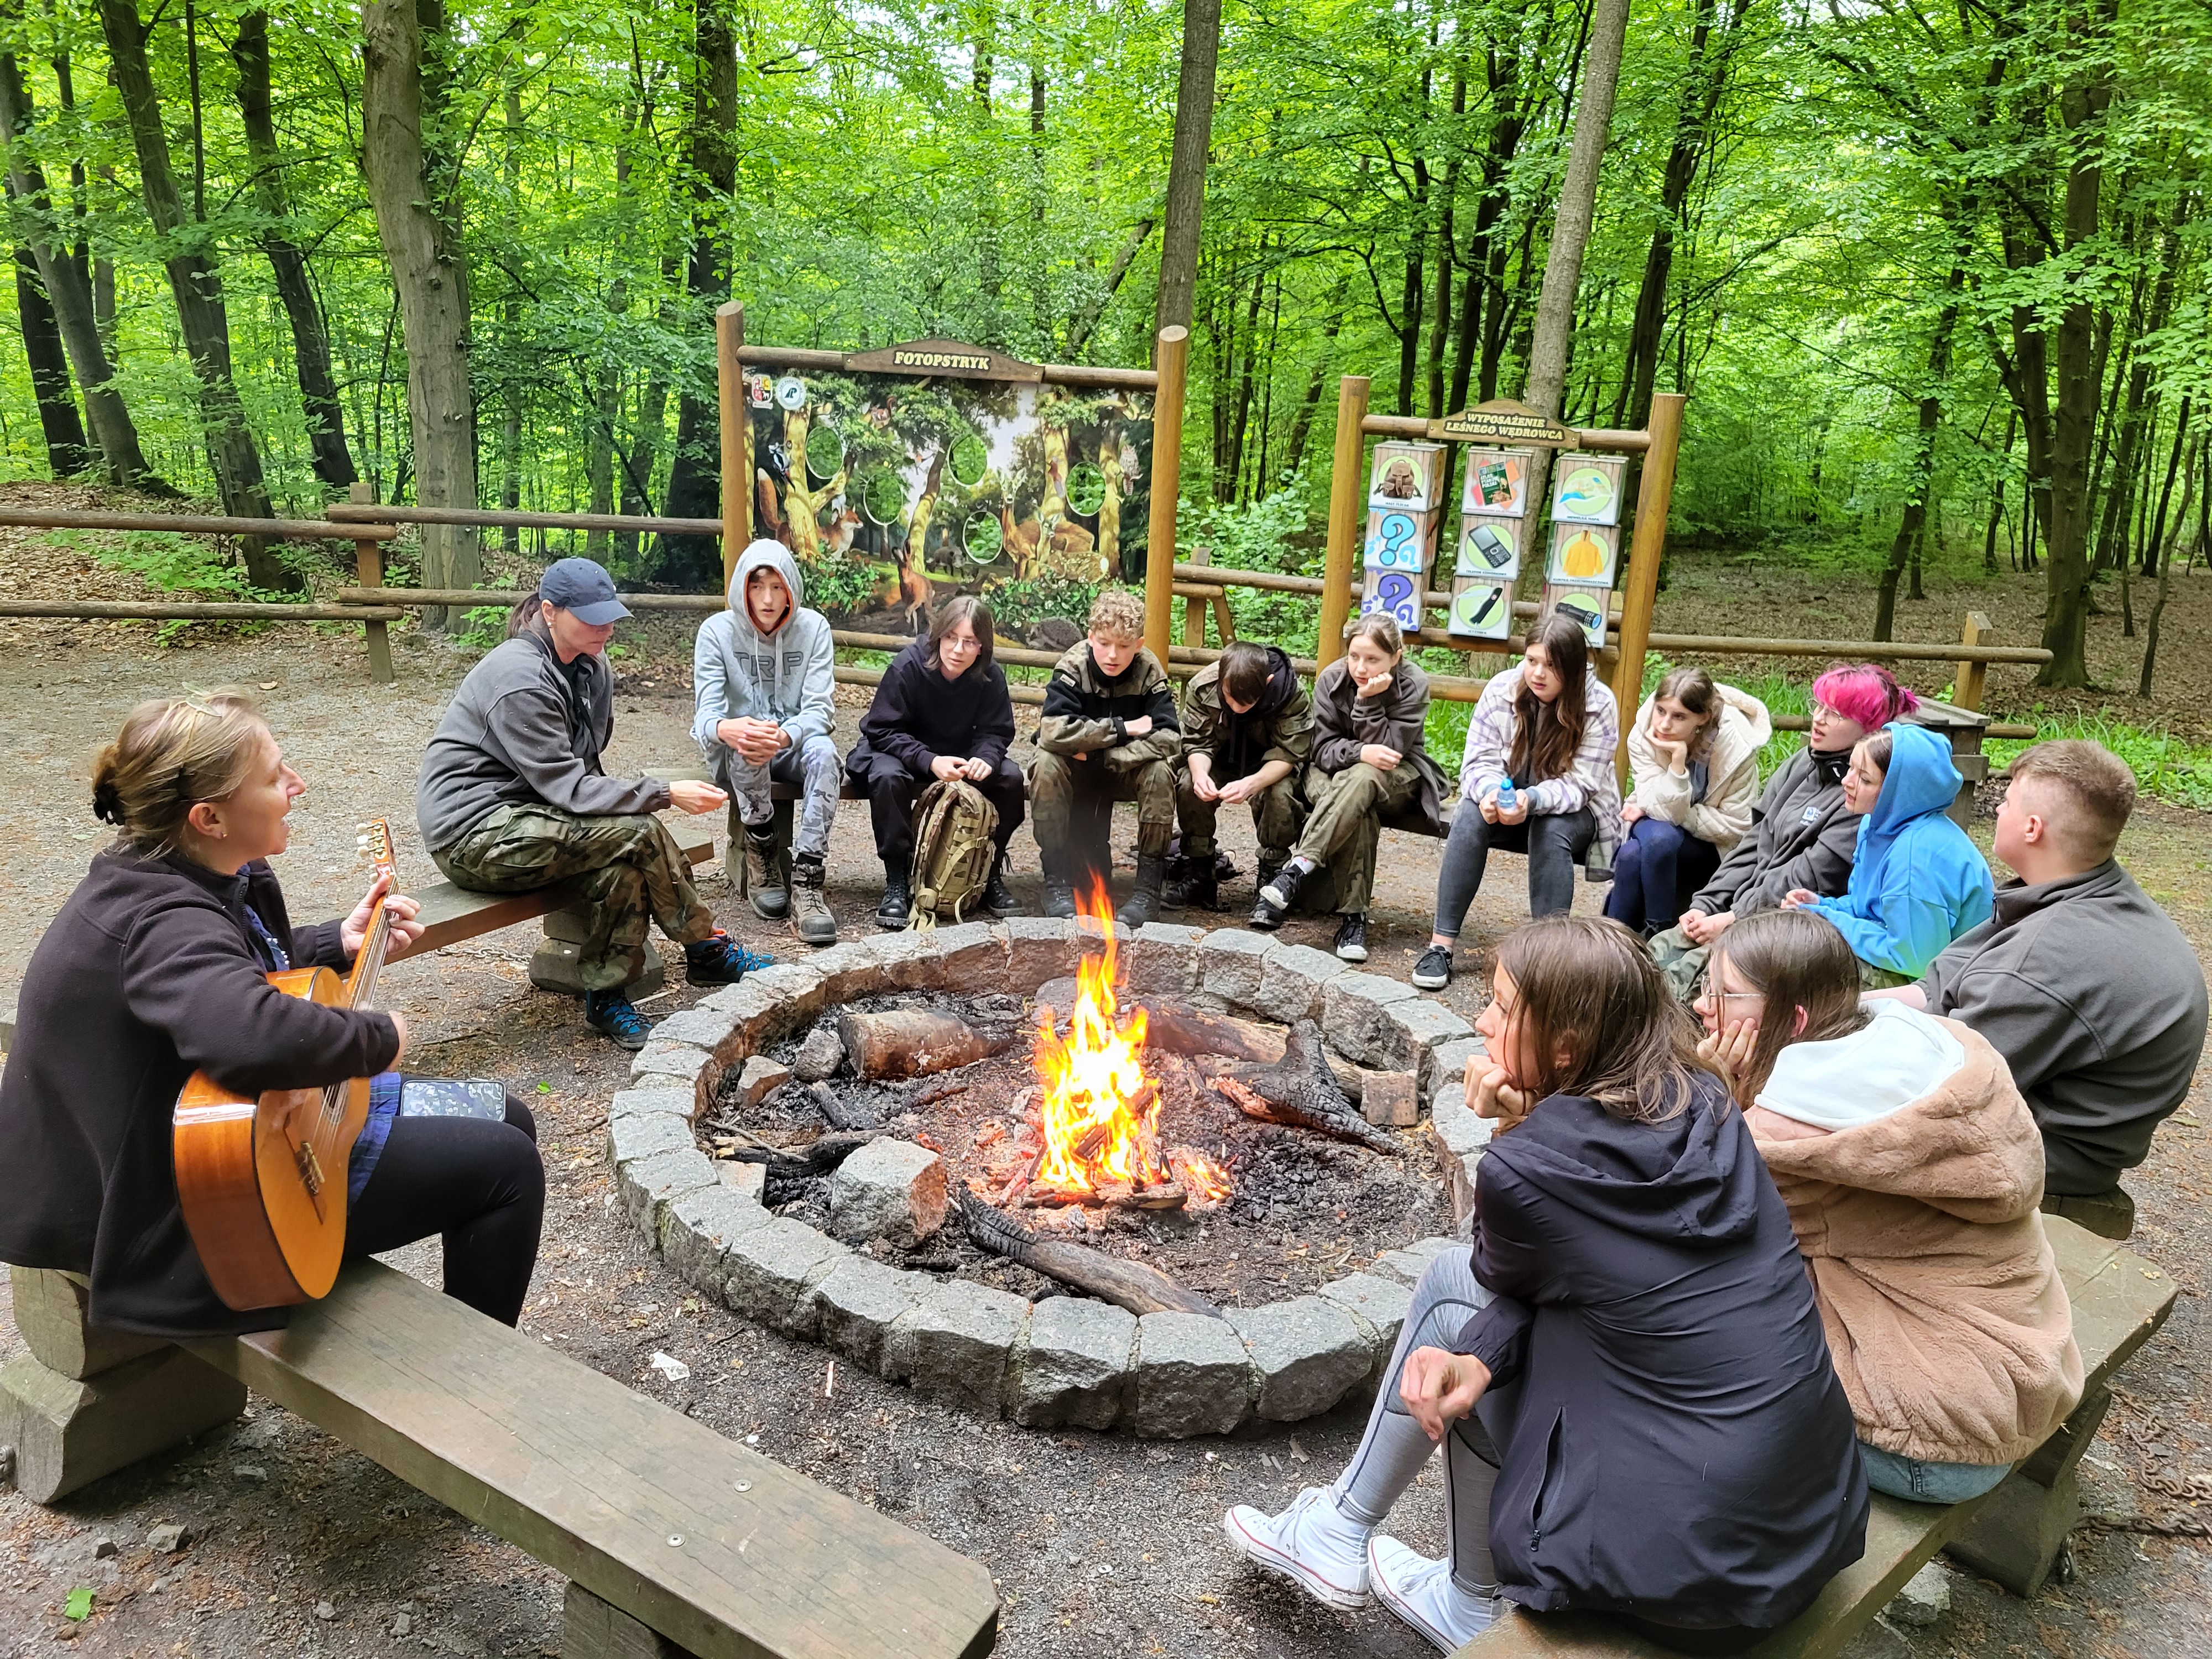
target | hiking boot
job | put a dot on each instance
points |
(895, 909)
(771, 899)
(1313, 1544)
(1196, 888)
(720, 960)
(812, 920)
(1059, 889)
(610, 1011)
(1277, 894)
(999, 898)
(1424, 1594)
(1351, 940)
(1433, 971)
(1144, 905)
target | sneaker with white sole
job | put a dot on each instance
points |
(1434, 971)
(1422, 1594)
(1313, 1544)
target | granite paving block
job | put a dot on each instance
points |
(1229, 963)
(953, 1344)
(1075, 1366)
(1162, 958)
(771, 1269)
(1291, 978)
(856, 1305)
(1192, 1376)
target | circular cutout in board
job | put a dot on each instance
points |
(984, 537)
(826, 451)
(883, 495)
(971, 459)
(1086, 488)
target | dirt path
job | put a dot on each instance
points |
(288, 1524)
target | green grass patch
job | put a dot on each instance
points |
(2167, 768)
(173, 563)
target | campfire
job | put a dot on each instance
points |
(1098, 1111)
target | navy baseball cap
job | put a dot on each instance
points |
(583, 589)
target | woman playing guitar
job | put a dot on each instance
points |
(154, 970)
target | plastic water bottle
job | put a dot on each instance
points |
(1505, 795)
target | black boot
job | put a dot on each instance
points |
(998, 898)
(1197, 887)
(1144, 905)
(1058, 888)
(895, 909)
(771, 899)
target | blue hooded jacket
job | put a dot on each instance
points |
(1916, 881)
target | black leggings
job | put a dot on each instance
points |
(480, 1184)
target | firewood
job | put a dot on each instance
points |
(1131, 1284)
(913, 1041)
(1301, 1090)
(1177, 1027)
(840, 1115)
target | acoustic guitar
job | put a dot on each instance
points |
(263, 1180)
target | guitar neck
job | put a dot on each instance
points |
(376, 941)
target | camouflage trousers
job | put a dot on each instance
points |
(1346, 827)
(1058, 783)
(627, 868)
(1683, 966)
(1277, 814)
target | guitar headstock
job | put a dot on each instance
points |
(374, 841)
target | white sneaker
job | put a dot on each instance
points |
(1421, 1592)
(1312, 1543)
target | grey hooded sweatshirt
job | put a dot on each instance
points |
(737, 672)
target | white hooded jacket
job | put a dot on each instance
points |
(737, 672)
(1724, 816)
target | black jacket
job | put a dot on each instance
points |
(1801, 836)
(919, 715)
(146, 976)
(1682, 1449)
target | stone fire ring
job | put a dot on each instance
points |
(1065, 1359)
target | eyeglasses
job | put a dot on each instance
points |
(1721, 999)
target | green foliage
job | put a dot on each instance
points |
(2167, 768)
(174, 564)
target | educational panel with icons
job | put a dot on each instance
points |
(1584, 553)
(1586, 606)
(1481, 610)
(1398, 540)
(1586, 489)
(1407, 476)
(1497, 481)
(1397, 594)
(1489, 548)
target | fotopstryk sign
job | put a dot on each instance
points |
(943, 357)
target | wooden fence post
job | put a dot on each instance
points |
(368, 572)
(1973, 676)
(1193, 609)
(1640, 590)
(1171, 360)
(1346, 489)
(737, 448)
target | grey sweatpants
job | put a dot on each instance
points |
(1395, 1447)
(813, 768)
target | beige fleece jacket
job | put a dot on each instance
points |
(1724, 816)
(1950, 1327)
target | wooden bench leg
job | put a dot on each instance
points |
(553, 964)
(83, 1402)
(592, 1629)
(2020, 1532)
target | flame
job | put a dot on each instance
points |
(1101, 1112)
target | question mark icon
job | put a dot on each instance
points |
(1394, 592)
(1399, 551)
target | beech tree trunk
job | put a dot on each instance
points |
(196, 284)
(67, 453)
(69, 296)
(311, 342)
(1194, 138)
(422, 246)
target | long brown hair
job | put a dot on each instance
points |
(1796, 960)
(1695, 690)
(1545, 735)
(1600, 1017)
(172, 754)
(976, 611)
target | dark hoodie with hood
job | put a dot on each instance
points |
(1682, 1449)
(1278, 727)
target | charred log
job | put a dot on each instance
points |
(913, 1041)
(1301, 1090)
(1130, 1284)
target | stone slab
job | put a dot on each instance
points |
(953, 1344)
(849, 971)
(68, 1431)
(647, 1184)
(1039, 948)
(664, 1101)
(1291, 979)
(1409, 1032)
(50, 1312)
(745, 1180)
(856, 1305)
(972, 957)
(1374, 1301)
(702, 1027)
(1352, 1016)
(1391, 1100)
(1308, 1354)
(889, 1189)
(1411, 1262)
(680, 1061)
(1075, 1366)
(1456, 1126)
(771, 1269)
(1229, 963)
(635, 1136)
(910, 960)
(696, 1228)
(761, 1077)
(1447, 1065)
(1162, 960)
(1194, 1376)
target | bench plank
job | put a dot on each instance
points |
(600, 1483)
(451, 913)
(2119, 1301)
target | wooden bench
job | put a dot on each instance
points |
(2015, 1534)
(675, 1540)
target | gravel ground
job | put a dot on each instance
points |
(298, 1544)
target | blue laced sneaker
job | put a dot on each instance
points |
(610, 1011)
(720, 961)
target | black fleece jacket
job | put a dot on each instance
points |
(146, 976)
(919, 715)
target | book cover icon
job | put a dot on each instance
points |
(1584, 553)
(1481, 610)
(1497, 481)
(1406, 476)
(1586, 606)
(1488, 547)
(1586, 489)
(1398, 540)
(1397, 594)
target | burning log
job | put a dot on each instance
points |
(1130, 1284)
(1301, 1090)
(1180, 1028)
(913, 1041)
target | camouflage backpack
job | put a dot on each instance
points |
(953, 828)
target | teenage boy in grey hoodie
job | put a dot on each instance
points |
(763, 677)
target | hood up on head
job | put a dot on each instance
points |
(1921, 780)
(773, 556)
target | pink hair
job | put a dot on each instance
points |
(1866, 693)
